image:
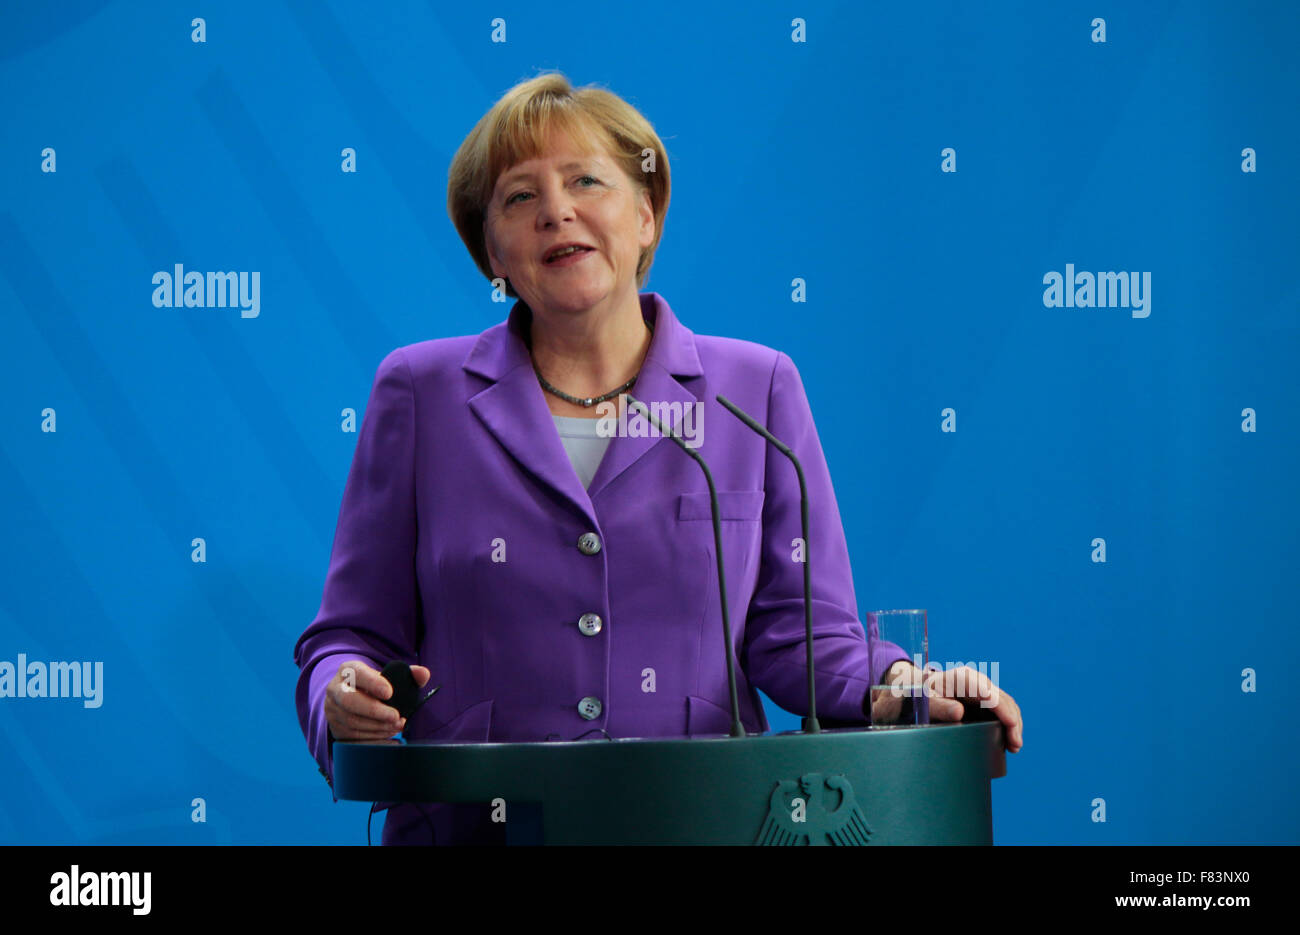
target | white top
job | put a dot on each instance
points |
(584, 447)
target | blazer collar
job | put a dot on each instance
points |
(513, 408)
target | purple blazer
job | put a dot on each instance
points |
(466, 543)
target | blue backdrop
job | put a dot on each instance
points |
(922, 169)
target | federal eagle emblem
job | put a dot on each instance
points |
(798, 813)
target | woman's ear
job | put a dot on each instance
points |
(647, 232)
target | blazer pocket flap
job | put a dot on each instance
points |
(732, 504)
(473, 725)
(706, 717)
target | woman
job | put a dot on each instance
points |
(554, 582)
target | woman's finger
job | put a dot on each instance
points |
(361, 708)
(1008, 713)
(365, 679)
(364, 705)
(356, 705)
(944, 705)
(885, 706)
(352, 723)
(354, 689)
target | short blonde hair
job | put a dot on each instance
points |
(517, 128)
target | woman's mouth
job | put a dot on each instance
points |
(569, 258)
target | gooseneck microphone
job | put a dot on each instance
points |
(810, 724)
(737, 729)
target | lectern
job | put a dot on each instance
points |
(881, 785)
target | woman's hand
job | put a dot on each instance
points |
(949, 691)
(354, 702)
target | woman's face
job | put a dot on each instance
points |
(567, 197)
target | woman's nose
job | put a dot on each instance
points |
(554, 204)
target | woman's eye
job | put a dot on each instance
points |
(511, 199)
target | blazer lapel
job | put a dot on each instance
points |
(514, 408)
(671, 356)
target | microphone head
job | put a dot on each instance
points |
(406, 694)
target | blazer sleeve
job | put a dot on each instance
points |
(370, 606)
(775, 657)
